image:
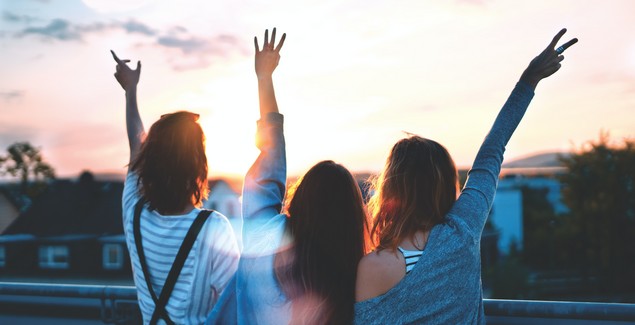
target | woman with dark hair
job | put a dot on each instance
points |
(427, 268)
(182, 257)
(299, 266)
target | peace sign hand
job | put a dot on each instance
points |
(267, 59)
(547, 62)
(127, 78)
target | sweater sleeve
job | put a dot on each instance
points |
(265, 182)
(474, 203)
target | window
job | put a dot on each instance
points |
(113, 256)
(54, 257)
(3, 258)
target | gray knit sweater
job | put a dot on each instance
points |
(445, 285)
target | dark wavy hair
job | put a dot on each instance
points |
(328, 226)
(172, 165)
(414, 192)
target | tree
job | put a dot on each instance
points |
(25, 162)
(599, 189)
(539, 221)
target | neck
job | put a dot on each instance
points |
(185, 210)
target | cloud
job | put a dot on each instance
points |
(63, 30)
(186, 45)
(13, 18)
(193, 51)
(9, 96)
(10, 134)
(58, 29)
(133, 26)
(197, 52)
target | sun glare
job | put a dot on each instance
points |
(228, 118)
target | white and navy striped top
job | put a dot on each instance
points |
(411, 257)
(210, 264)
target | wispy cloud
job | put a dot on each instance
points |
(194, 51)
(57, 29)
(11, 133)
(63, 30)
(133, 26)
(9, 96)
(14, 18)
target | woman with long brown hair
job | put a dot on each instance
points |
(426, 268)
(182, 256)
(299, 261)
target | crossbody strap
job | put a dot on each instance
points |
(160, 303)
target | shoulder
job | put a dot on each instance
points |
(378, 272)
(130, 188)
(220, 233)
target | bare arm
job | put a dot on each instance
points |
(128, 79)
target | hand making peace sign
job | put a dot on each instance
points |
(547, 62)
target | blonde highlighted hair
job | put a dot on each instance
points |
(413, 193)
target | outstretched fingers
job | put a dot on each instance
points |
(266, 39)
(270, 43)
(284, 36)
(557, 38)
(114, 56)
(566, 45)
(273, 38)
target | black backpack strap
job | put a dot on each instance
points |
(175, 270)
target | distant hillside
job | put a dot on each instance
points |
(548, 159)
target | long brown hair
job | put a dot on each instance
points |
(328, 226)
(414, 192)
(172, 165)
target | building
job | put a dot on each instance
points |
(507, 209)
(74, 228)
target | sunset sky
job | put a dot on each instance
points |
(354, 75)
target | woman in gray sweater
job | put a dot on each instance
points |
(427, 265)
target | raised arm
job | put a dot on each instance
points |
(265, 181)
(476, 199)
(266, 61)
(128, 79)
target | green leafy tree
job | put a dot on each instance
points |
(599, 189)
(25, 162)
(539, 223)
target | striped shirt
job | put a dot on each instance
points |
(411, 257)
(208, 268)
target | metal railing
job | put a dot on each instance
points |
(117, 304)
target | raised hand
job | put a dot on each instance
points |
(547, 62)
(127, 78)
(266, 60)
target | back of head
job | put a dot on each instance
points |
(328, 224)
(172, 165)
(414, 192)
